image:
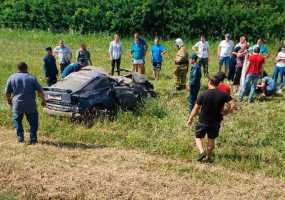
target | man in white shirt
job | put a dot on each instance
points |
(224, 53)
(201, 48)
(64, 55)
(279, 69)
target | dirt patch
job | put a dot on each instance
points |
(78, 171)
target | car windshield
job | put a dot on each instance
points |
(77, 80)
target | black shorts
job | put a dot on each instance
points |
(211, 130)
(156, 66)
(237, 76)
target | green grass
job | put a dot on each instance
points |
(251, 139)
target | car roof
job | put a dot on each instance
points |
(77, 80)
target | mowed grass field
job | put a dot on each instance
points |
(252, 140)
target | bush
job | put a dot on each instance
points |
(167, 18)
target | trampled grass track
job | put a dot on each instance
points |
(52, 170)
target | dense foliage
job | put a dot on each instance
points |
(167, 17)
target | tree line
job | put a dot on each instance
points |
(167, 18)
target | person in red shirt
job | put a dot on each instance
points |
(254, 71)
(222, 86)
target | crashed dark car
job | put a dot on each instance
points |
(92, 90)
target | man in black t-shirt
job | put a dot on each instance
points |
(211, 106)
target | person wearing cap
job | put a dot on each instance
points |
(194, 81)
(157, 53)
(64, 55)
(74, 67)
(212, 105)
(254, 71)
(201, 48)
(83, 53)
(181, 63)
(224, 53)
(49, 67)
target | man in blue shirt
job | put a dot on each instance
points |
(268, 86)
(20, 94)
(49, 67)
(74, 67)
(157, 52)
(263, 47)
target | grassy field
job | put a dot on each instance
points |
(251, 141)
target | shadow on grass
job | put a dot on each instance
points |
(72, 145)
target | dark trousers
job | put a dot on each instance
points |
(204, 62)
(116, 64)
(232, 69)
(51, 81)
(194, 90)
(63, 66)
(33, 122)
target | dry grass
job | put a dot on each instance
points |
(62, 171)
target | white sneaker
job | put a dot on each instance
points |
(280, 91)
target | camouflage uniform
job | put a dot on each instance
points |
(181, 63)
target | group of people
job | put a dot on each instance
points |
(63, 54)
(241, 64)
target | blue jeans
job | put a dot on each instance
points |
(279, 71)
(251, 80)
(33, 122)
(194, 90)
(224, 61)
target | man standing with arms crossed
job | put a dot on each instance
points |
(20, 94)
(64, 55)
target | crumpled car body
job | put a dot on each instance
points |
(92, 89)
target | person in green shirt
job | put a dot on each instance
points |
(194, 81)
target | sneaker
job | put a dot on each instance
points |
(280, 91)
(201, 156)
